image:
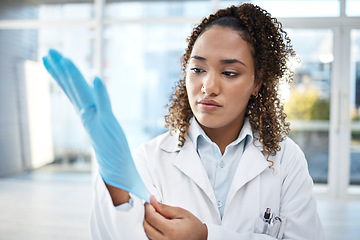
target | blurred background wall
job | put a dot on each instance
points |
(136, 46)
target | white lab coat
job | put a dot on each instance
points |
(176, 176)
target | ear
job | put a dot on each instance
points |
(259, 74)
(258, 83)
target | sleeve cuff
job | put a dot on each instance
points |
(125, 207)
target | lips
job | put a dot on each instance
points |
(209, 104)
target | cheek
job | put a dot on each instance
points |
(240, 95)
(190, 86)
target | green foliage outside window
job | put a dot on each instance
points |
(306, 105)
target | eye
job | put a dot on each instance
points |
(230, 74)
(197, 70)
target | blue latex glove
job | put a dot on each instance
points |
(92, 104)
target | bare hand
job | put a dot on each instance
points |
(163, 222)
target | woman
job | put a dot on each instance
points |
(226, 169)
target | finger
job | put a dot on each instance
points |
(151, 232)
(154, 202)
(76, 82)
(55, 53)
(166, 211)
(54, 60)
(101, 96)
(149, 209)
(155, 219)
(59, 74)
(49, 68)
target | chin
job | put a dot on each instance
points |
(208, 122)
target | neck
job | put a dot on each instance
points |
(223, 136)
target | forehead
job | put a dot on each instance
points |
(224, 43)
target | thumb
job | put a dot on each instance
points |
(154, 202)
(166, 211)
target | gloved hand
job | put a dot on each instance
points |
(92, 104)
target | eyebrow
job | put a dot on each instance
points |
(231, 61)
(225, 61)
(198, 58)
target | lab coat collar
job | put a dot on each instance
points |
(252, 163)
(189, 162)
(170, 143)
(195, 131)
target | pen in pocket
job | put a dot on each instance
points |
(267, 220)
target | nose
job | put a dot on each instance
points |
(211, 84)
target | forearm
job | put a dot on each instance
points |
(109, 222)
(118, 196)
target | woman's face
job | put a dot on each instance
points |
(220, 79)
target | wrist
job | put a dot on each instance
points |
(205, 232)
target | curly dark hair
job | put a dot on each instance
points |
(270, 48)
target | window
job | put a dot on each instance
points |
(308, 100)
(156, 9)
(352, 8)
(141, 65)
(355, 108)
(295, 8)
(136, 46)
(46, 10)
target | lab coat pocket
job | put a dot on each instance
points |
(259, 225)
(277, 227)
(274, 227)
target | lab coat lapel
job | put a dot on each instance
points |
(251, 164)
(189, 162)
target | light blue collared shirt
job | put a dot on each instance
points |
(220, 168)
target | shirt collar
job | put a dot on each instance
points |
(195, 131)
